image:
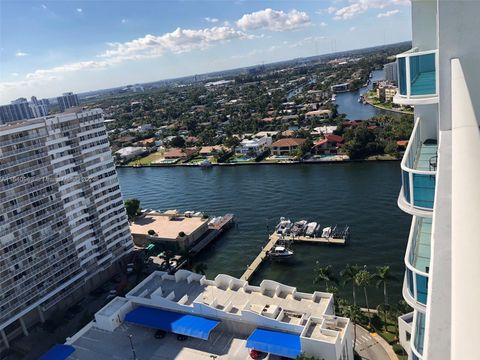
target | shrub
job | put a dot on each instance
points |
(398, 349)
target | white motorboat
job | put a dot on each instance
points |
(311, 229)
(280, 252)
(205, 163)
(326, 232)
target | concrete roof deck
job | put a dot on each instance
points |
(166, 226)
(100, 344)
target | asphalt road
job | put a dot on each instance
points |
(368, 347)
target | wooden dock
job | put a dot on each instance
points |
(274, 238)
(259, 259)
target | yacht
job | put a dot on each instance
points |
(279, 252)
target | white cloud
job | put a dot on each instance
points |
(274, 20)
(123, 21)
(388, 13)
(353, 28)
(178, 41)
(331, 9)
(20, 54)
(211, 20)
(79, 10)
(361, 6)
(44, 6)
(323, 23)
(15, 74)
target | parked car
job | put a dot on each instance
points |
(160, 334)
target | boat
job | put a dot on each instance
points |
(326, 232)
(279, 252)
(299, 228)
(310, 231)
(282, 226)
(334, 97)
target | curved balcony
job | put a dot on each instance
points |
(417, 261)
(419, 166)
(417, 78)
(418, 335)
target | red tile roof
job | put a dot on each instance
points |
(288, 142)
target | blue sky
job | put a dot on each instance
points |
(49, 47)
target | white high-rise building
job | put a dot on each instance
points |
(440, 77)
(67, 100)
(390, 72)
(63, 225)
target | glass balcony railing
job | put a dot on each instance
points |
(419, 166)
(417, 259)
(418, 334)
(417, 77)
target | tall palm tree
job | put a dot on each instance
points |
(383, 275)
(363, 279)
(348, 276)
(323, 273)
(354, 313)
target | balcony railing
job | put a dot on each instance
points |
(419, 166)
(417, 77)
(417, 259)
(418, 334)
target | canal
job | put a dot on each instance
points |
(363, 195)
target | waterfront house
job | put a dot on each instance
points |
(319, 114)
(178, 153)
(328, 145)
(130, 152)
(254, 146)
(286, 146)
(206, 151)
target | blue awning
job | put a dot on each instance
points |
(185, 324)
(274, 342)
(58, 352)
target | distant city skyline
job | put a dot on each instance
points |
(50, 47)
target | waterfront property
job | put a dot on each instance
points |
(254, 146)
(272, 318)
(328, 145)
(286, 146)
(439, 76)
(169, 228)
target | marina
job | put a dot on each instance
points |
(287, 232)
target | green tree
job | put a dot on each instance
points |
(132, 206)
(354, 313)
(348, 276)
(323, 273)
(178, 142)
(383, 276)
(363, 279)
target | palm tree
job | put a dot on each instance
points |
(323, 273)
(382, 276)
(348, 275)
(354, 313)
(362, 279)
(200, 268)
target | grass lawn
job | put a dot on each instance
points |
(147, 160)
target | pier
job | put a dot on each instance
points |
(275, 238)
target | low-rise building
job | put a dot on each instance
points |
(178, 153)
(386, 92)
(328, 145)
(254, 146)
(206, 151)
(169, 228)
(286, 146)
(224, 318)
(319, 114)
(130, 152)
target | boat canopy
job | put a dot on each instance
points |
(275, 342)
(178, 323)
(58, 352)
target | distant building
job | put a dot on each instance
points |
(390, 72)
(319, 114)
(17, 110)
(327, 146)
(340, 87)
(130, 152)
(39, 107)
(286, 146)
(178, 153)
(386, 92)
(67, 100)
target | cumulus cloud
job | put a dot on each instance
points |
(123, 21)
(273, 20)
(44, 6)
(211, 20)
(353, 28)
(361, 6)
(20, 54)
(178, 41)
(323, 24)
(79, 10)
(388, 13)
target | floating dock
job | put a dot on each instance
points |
(215, 228)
